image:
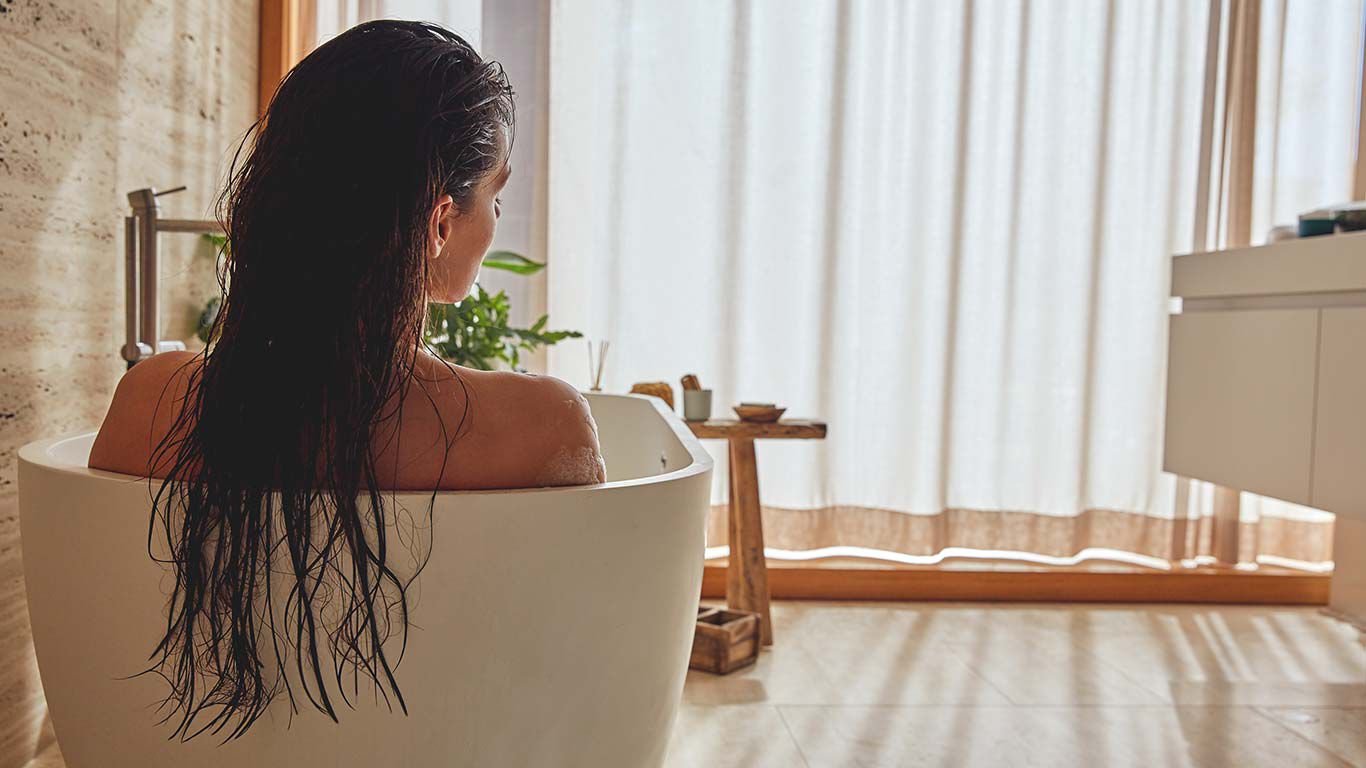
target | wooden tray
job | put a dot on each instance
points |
(724, 641)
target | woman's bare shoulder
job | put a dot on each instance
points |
(525, 430)
(143, 409)
(519, 393)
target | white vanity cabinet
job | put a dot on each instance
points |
(1240, 399)
(1266, 385)
(1340, 428)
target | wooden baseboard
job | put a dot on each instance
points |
(1195, 586)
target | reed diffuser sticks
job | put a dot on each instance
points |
(595, 369)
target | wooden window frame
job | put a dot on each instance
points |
(1209, 585)
(287, 29)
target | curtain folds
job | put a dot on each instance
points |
(1145, 540)
(942, 227)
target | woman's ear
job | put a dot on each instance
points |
(439, 227)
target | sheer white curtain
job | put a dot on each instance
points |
(332, 17)
(1307, 115)
(942, 227)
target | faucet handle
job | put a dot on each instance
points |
(170, 191)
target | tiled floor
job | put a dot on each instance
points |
(881, 685)
(874, 685)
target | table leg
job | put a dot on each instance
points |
(747, 573)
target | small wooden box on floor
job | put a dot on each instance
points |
(725, 640)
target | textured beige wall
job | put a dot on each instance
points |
(97, 97)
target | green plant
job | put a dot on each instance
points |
(203, 328)
(476, 333)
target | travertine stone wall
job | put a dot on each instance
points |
(97, 97)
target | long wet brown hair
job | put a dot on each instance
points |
(270, 516)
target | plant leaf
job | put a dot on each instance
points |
(512, 262)
(477, 332)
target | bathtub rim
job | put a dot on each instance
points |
(39, 453)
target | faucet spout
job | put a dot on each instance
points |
(142, 318)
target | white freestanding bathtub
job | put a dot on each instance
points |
(551, 627)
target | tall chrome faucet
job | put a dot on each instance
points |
(142, 321)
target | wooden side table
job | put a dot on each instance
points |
(747, 573)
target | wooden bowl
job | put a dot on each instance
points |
(760, 413)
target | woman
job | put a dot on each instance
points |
(370, 190)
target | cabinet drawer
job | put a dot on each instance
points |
(1340, 429)
(1240, 399)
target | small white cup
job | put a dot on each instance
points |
(696, 404)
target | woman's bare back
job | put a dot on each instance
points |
(457, 429)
